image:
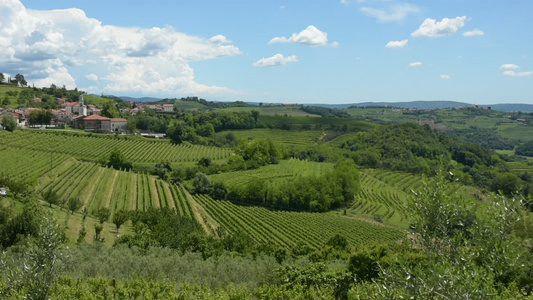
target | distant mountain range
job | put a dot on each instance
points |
(409, 104)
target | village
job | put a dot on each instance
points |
(79, 115)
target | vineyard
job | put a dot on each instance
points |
(117, 190)
(287, 229)
(92, 147)
(285, 169)
(384, 194)
(27, 164)
(304, 138)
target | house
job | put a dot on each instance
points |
(168, 107)
(3, 192)
(98, 123)
(37, 99)
(152, 105)
(61, 101)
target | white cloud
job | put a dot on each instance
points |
(415, 64)
(276, 60)
(444, 77)
(311, 36)
(344, 2)
(48, 46)
(396, 12)
(474, 32)
(397, 44)
(432, 28)
(509, 67)
(219, 39)
(517, 74)
(92, 77)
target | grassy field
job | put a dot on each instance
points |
(9, 88)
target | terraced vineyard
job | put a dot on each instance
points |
(384, 195)
(285, 169)
(305, 138)
(287, 229)
(27, 164)
(105, 187)
(89, 147)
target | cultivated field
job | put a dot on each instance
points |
(117, 190)
(287, 229)
(93, 147)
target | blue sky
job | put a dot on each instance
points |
(332, 51)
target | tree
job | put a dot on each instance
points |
(40, 117)
(109, 109)
(117, 161)
(20, 80)
(201, 183)
(74, 204)
(2, 77)
(6, 101)
(50, 196)
(219, 191)
(9, 122)
(204, 162)
(119, 218)
(102, 214)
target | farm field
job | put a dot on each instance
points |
(99, 187)
(288, 229)
(300, 138)
(89, 147)
(277, 172)
(27, 164)
(273, 110)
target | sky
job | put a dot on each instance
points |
(314, 51)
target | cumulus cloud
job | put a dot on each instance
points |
(311, 36)
(444, 77)
(396, 12)
(474, 32)
(415, 64)
(92, 77)
(519, 74)
(510, 71)
(48, 46)
(276, 60)
(397, 44)
(344, 2)
(509, 67)
(432, 28)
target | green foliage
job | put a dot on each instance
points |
(40, 117)
(37, 267)
(9, 122)
(338, 242)
(50, 196)
(109, 109)
(74, 204)
(102, 214)
(117, 161)
(119, 218)
(525, 149)
(469, 253)
(202, 184)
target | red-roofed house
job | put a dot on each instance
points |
(98, 123)
(168, 107)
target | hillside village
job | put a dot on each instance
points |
(80, 115)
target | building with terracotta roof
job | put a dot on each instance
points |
(168, 107)
(97, 123)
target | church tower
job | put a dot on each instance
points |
(82, 109)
